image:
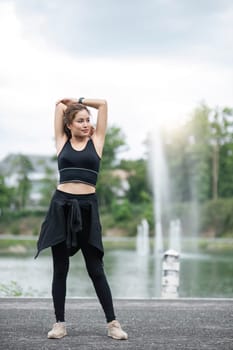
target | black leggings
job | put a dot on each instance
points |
(95, 270)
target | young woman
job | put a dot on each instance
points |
(72, 221)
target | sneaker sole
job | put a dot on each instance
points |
(57, 337)
(110, 336)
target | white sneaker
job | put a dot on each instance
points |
(115, 331)
(58, 331)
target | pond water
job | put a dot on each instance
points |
(129, 275)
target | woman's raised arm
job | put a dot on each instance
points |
(101, 124)
(59, 132)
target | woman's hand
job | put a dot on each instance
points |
(92, 130)
(67, 101)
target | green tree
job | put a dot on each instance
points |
(139, 189)
(121, 211)
(6, 195)
(200, 155)
(22, 166)
(139, 194)
(114, 144)
(108, 182)
(198, 152)
(48, 185)
(221, 123)
(188, 153)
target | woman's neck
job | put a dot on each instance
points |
(78, 139)
(79, 143)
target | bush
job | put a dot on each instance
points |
(14, 229)
(216, 216)
(121, 211)
(13, 289)
(213, 217)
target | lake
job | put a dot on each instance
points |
(129, 274)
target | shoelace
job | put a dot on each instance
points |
(115, 325)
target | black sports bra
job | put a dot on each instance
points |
(79, 166)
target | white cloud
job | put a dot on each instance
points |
(111, 28)
(140, 90)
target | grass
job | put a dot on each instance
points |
(23, 245)
(17, 245)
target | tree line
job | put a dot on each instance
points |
(199, 158)
(201, 153)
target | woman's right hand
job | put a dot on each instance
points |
(67, 101)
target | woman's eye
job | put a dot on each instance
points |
(83, 120)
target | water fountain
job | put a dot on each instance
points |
(142, 243)
(158, 175)
(175, 235)
(160, 187)
(143, 254)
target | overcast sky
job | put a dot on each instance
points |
(153, 60)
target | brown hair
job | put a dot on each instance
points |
(70, 114)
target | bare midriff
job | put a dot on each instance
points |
(76, 188)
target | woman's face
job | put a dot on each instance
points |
(81, 124)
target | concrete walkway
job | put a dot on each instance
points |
(153, 324)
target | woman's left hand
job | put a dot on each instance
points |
(67, 101)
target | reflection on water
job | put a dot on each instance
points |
(129, 274)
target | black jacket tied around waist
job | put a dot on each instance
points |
(63, 222)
